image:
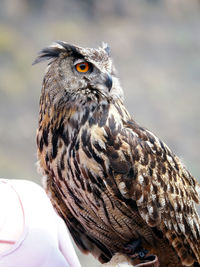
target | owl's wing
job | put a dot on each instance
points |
(85, 243)
(146, 171)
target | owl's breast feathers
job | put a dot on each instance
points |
(98, 160)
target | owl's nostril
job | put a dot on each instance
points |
(108, 82)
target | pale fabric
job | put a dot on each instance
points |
(42, 239)
(11, 212)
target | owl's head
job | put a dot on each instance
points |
(79, 71)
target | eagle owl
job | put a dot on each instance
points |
(115, 184)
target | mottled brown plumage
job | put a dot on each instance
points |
(111, 180)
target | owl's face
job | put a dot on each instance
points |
(79, 71)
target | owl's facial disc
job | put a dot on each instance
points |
(93, 76)
(101, 82)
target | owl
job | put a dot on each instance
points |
(116, 185)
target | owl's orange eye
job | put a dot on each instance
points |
(82, 67)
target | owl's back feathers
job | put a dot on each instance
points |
(163, 189)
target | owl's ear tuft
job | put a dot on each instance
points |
(50, 52)
(106, 47)
(54, 50)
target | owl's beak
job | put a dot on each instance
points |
(108, 82)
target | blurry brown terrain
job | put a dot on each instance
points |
(156, 48)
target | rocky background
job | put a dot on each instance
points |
(156, 48)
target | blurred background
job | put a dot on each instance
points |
(156, 49)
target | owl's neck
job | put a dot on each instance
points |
(73, 112)
(87, 111)
(62, 124)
